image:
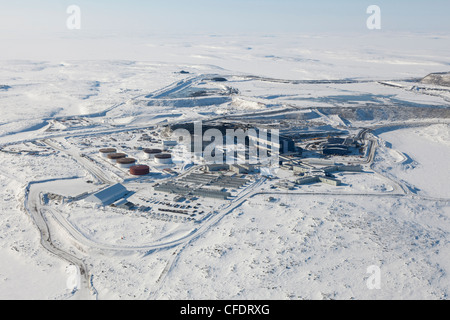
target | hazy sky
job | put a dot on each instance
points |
(220, 16)
(135, 29)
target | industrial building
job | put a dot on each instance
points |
(303, 169)
(307, 180)
(319, 162)
(217, 167)
(170, 187)
(330, 169)
(123, 204)
(315, 179)
(203, 185)
(169, 144)
(215, 181)
(285, 185)
(341, 168)
(330, 181)
(243, 168)
(215, 194)
(109, 195)
(350, 168)
(235, 168)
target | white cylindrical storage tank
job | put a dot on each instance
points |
(163, 158)
(113, 157)
(150, 153)
(106, 151)
(126, 163)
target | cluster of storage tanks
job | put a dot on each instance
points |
(124, 162)
(120, 159)
(158, 156)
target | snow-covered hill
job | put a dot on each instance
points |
(440, 79)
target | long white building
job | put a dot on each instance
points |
(109, 195)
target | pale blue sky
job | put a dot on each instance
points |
(216, 16)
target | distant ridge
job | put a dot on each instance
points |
(441, 79)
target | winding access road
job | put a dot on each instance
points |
(33, 207)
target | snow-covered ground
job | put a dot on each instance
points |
(318, 248)
(313, 242)
(27, 271)
(423, 158)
